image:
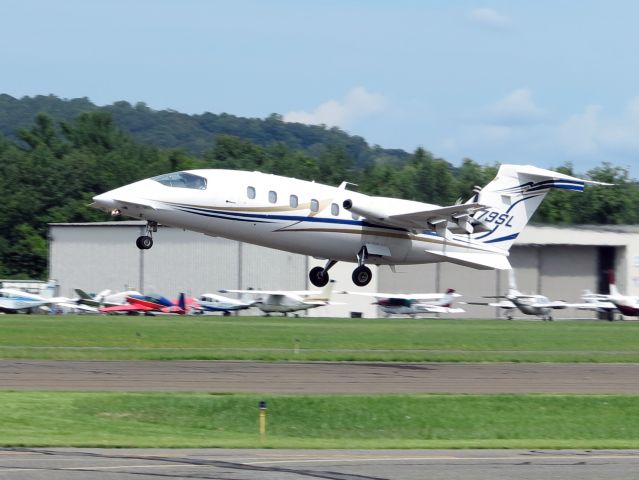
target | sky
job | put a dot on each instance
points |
(539, 82)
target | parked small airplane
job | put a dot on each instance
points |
(599, 303)
(17, 301)
(150, 304)
(285, 302)
(336, 224)
(210, 302)
(105, 298)
(628, 305)
(414, 303)
(534, 304)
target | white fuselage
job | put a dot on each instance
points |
(12, 301)
(527, 305)
(284, 304)
(284, 213)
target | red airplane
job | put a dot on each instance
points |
(149, 304)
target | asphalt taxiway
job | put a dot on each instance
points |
(148, 464)
(317, 378)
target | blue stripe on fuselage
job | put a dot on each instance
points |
(250, 217)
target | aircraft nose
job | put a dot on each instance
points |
(104, 202)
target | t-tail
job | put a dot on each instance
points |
(512, 198)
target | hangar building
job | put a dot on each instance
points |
(559, 262)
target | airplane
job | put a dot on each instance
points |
(413, 303)
(599, 303)
(150, 304)
(336, 224)
(210, 302)
(627, 305)
(285, 302)
(537, 305)
(13, 300)
(105, 298)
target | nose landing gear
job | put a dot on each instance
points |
(145, 242)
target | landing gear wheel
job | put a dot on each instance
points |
(318, 276)
(144, 242)
(362, 276)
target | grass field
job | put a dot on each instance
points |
(413, 421)
(276, 339)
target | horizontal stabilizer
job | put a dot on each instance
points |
(479, 261)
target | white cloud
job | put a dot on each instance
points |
(593, 132)
(487, 17)
(516, 108)
(357, 104)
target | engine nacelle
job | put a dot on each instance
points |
(368, 212)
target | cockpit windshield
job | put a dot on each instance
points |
(182, 180)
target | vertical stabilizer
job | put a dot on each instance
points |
(513, 196)
(612, 285)
(325, 294)
(448, 298)
(512, 284)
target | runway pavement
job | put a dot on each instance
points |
(103, 464)
(315, 378)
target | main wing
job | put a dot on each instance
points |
(284, 293)
(403, 296)
(438, 309)
(455, 218)
(502, 304)
(444, 220)
(126, 308)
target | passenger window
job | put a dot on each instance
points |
(272, 196)
(314, 205)
(250, 192)
(335, 209)
(292, 201)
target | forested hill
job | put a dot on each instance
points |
(53, 165)
(194, 133)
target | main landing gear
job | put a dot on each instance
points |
(362, 275)
(319, 275)
(145, 242)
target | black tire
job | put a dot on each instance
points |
(318, 276)
(144, 242)
(362, 276)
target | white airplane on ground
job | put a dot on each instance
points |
(534, 304)
(211, 302)
(628, 305)
(285, 302)
(412, 304)
(599, 303)
(336, 224)
(17, 301)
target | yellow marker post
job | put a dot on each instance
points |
(262, 420)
